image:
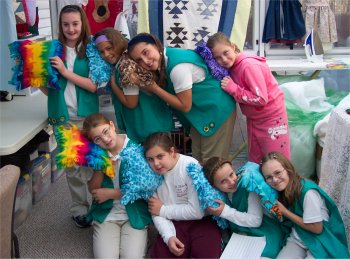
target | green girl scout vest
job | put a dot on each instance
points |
(87, 101)
(274, 232)
(331, 243)
(150, 115)
(138, 214)
(211, 106)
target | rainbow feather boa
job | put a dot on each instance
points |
(76, 150)
(33, 66)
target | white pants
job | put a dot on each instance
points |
(112, 239)
(77, 178)
(293, 251)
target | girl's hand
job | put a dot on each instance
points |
(151, 88)
(57, 63)
(282, 208)
(225, 81)
(176, 247)
(154, 206)
(102, 194)
(217, 211)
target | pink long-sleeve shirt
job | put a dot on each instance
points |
(255, 88)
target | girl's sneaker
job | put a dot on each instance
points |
(81, 222)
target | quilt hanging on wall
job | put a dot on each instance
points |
(187, 24)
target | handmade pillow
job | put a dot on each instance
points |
(138, 179)
(252, 180)
(207, 194)
(74, 149)
(99, 69)
(215, 69)
(33, 67)
(132, 73)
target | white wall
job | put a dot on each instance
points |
(44, 18)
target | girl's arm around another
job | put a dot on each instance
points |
(252, 218)
(83, 82)
(315, 227)
(129, 101)
(254, 91)
(189, 210)
(102, 194)
(182, 101)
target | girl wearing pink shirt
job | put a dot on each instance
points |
(253, 86)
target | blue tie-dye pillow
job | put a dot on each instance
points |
(138, 179)
(207, 194)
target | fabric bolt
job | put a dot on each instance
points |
(114, 239)
(262, 102)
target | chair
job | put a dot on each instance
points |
(9, 176)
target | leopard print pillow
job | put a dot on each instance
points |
(133, 74)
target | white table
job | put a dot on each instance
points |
(295, 65)
(20, 120)
(335, 164)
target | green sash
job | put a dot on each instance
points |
(138, 214)
(87, 101)
(274, 232)
(150, 115)
(211, 106)
(331, 243)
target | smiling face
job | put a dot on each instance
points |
(224, 54)
(108, 52)
(275, 175)
(225, 179)
(146, 55)
(71, 27)
(104, 135)
(160, 160)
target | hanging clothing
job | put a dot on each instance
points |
(319, 16)
(284, 22)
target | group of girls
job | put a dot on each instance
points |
(312, 227)
(182, 81)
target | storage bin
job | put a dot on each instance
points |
(55, 172)
(41, 177)
(51, 144)
(23, 205)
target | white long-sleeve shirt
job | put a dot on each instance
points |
(251, 219)
(180, 199)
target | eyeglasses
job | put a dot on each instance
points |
(277, 174)
(105, 134)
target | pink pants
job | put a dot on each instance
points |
(271, 135)
(202, 239)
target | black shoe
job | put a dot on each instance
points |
(81, 222)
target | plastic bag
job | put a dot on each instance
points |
(307, 102)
